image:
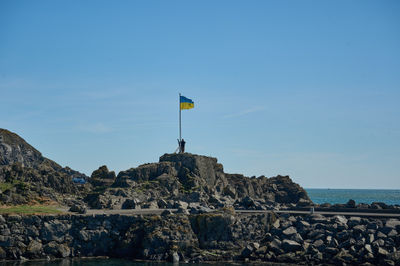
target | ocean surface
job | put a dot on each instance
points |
(332, 196)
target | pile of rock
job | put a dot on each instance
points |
(333, 240)
(351, 204)
(210, 236)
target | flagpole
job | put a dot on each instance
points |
(180, 127)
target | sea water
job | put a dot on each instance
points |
(332, 196)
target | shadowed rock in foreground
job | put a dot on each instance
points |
(218, 236)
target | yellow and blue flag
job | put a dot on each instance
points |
(186, 103)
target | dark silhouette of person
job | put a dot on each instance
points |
(182, 145)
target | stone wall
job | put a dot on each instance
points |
(225, 236)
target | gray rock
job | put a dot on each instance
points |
(395, 256)
(14, 218)
(181, 204)
(343, 256)
(393, 224)
(78, 208)
(34, 248)
(331, 250)
(276, 224)
(353, 221)
(378, 243)
(290, 245)
(359, 229)
(54, 230)
(3, 254)
(6, 241)
(320, 245)
(182, 211)
(381, 252)
(289, 231)
(102, 177)
(297, 237)
(83, 235)
(318, 218)
(275, 246)
(261, 250)
(130, 204)
(203, 209)
(255, 245)
(150, 205)
(246, 252)
(381, 235)
(2, 220)
(347, 244)
(302, 224)
(57, 250)
(175, 257)
(5, 232)
(340, 219)
(392, 233)
(166, 213)
(370, 238)
(368, 248)
(351, 204)
(162, 203)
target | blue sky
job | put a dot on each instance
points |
(305, 88)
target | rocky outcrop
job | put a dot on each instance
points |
(102, 177)
(27, 177)
(218, 236)
(195, 179)
(14, 149)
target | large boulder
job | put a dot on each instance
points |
(190, 166)
(102, 177)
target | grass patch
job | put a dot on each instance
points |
(29, 209)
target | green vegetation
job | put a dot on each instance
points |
(6, 186)
(29, 209)
(20, 185)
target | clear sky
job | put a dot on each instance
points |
(309, 89)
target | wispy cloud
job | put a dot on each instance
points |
(245, 112)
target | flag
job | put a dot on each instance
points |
(186, 103)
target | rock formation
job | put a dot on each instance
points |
(176, 181)
(193, 179)
(26, 176)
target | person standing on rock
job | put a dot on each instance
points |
(182, 146)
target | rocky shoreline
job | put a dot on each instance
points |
(205, 227)
(218, 236)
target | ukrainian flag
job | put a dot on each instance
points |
(186, 103)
